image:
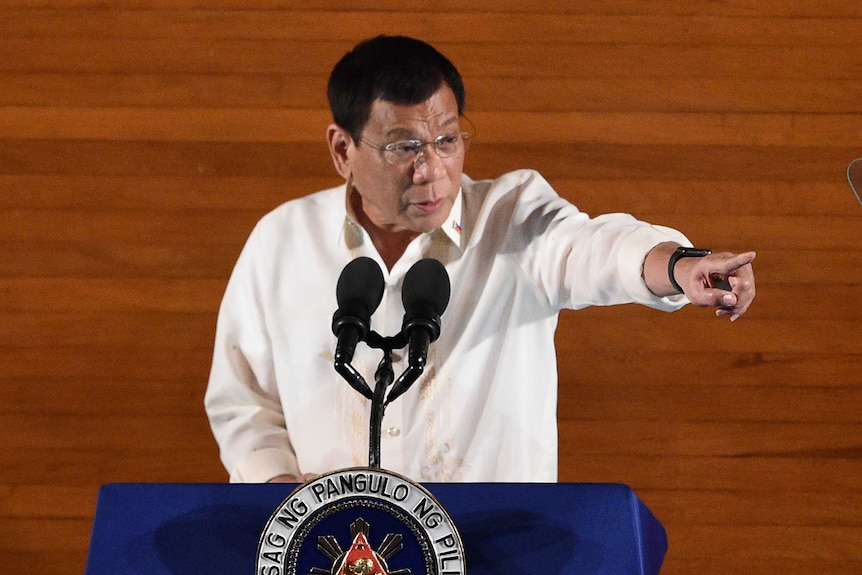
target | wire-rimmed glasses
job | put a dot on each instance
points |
(408, 151)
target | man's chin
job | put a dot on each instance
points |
(424, 221)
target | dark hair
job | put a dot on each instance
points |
(397, 69)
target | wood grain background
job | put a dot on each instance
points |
(141, 140)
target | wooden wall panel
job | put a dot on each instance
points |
(139, 143)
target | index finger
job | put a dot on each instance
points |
(733, 263)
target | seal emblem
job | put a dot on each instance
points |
(360, 521)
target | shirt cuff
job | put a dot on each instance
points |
(631, 259)
(262, 465)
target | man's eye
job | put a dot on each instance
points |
(405, 147)
(447, 142)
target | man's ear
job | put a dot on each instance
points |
(339, 142)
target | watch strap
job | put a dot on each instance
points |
(682, 252)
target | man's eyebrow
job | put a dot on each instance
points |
(450, 121)
(408, 134)
(402, 133)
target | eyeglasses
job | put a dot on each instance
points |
(407, 151)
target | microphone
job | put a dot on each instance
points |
(854, 176)
(425, 295)
(358, 293)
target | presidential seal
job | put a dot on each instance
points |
(360, 521)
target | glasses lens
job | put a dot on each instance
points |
(446, 146)
(407, 151)
(402, 152)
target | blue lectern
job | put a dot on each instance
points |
(213, 529)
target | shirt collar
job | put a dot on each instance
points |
(352, 234)
(452, 228)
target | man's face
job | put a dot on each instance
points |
(414, 196)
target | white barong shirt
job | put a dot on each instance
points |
(485, 408)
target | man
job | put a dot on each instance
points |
(516, 254)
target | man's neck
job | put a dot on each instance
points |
(390, 242)
(391, 245)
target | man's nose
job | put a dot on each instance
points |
(428, 163)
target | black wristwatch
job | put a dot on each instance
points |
(680, 253)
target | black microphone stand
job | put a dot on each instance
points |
(384, 377)
(425, 295)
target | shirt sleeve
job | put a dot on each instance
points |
(579, 261)
(242, 399)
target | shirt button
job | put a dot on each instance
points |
(393, 432)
